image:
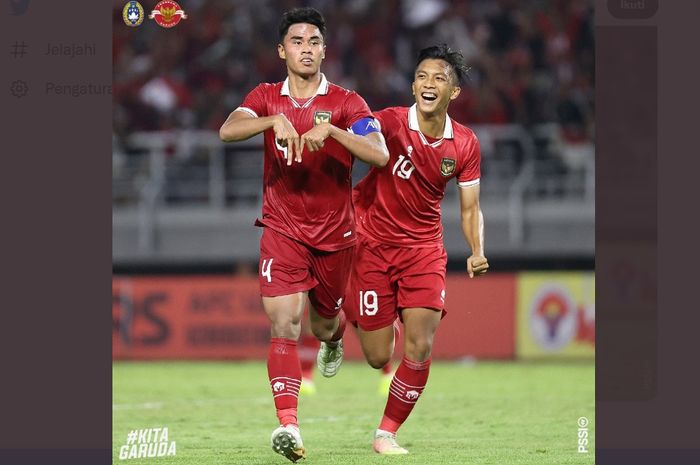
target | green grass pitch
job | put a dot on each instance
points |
(221, 413)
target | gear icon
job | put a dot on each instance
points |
(19, 88)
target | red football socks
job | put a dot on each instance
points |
(406, 387)
(284, 371)
(307, 354)
(338, 335)
(386, 369)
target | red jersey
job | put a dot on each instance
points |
(400, 203)
(308, 201)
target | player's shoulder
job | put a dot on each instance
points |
(462, 131)
(341, 93)
(464, 135)
(269, 87)
(395, 111)
(396, 115)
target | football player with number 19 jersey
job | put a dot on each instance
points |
(400, 260)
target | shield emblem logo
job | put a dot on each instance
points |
(322, 117)
(447, 166)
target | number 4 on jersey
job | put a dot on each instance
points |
(266, 269)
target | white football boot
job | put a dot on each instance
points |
(286, 440)
(329, 359)
(385, 444)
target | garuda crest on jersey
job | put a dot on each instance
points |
(447, 166)
(322, 117)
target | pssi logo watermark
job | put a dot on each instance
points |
(147, 443)
(582, 435)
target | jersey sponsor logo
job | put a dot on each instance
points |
(167, 14)
(447, 166)
(321, 117)
(133, 14)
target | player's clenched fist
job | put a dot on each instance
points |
(287, 137)
(314, 138)
(477, 265)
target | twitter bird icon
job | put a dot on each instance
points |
(19, 7)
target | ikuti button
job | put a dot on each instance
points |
(633, 9)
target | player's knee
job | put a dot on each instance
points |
(378, 359)
(419, 348)
(285, 326)
(323, 329)
(322, 333)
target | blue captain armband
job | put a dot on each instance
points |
(365, 126)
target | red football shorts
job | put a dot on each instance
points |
(386, 279)
(287, 267)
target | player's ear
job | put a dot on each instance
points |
(281, 52)
(455, 92)
(323, 53)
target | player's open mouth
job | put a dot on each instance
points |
(428, 96)
(307, 61)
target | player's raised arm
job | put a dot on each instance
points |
(362, 136)
(473, 228)
(368, 146)
(241, 125)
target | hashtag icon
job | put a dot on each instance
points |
(131, 437)
(19, 49)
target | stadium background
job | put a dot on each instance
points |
(184, 248)
(514, 357)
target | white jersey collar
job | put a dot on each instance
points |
(413, 123)
(322, 87)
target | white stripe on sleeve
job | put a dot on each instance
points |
(473, 182)
(247, 110)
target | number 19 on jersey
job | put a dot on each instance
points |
(369, 303)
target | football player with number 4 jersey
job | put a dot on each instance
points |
(400, 259)
(308, 240)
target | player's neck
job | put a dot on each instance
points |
(304, 86)
(432, 125)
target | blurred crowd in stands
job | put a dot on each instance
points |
(532, 61)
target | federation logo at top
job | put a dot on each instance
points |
(133, 14)
(167, 14)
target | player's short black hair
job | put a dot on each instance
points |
(443, 52)
(302, 15)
